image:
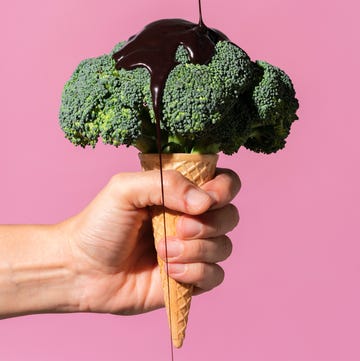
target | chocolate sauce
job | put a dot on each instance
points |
(155, 47)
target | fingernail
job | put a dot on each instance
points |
(176, 268)
(190, 227)
(196, 198)
(174, 248)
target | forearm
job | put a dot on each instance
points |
(35, 272)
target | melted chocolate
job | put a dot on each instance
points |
(155, 47)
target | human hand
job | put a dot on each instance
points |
(112, 247)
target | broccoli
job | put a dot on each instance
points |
(220, 106)
(84, 96)
(275, 106)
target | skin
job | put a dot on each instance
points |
(103, 259)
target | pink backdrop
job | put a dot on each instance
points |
(292, 291)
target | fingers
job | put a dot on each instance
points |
(210, 224)
(209, 250)
(204, 276)
(194, 261)
(142, 189)
(223, 188)
(200, 240)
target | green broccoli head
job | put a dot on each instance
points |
(199, 101)
(123, 113)
(84, 96)
(274, 110)
(223, 105)
(101, 101)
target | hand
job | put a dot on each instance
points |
(112, 245)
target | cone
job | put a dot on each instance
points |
(199, 168)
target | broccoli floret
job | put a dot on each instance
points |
(182, 55)
(117, 47)
(123, 114)
(220, 106)
(100, 101)
(275, 104)
(200, 103)
(84, 96)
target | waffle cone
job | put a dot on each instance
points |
(199, 168)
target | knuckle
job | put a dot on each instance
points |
(235, 180)
(220, 275)
(208, 276)
(233, 215)
(116, 183)
(226, 247)
(116, 179)
(214, 278)
(232, 178)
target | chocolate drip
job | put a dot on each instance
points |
(155, 47)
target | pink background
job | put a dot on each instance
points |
(292, 291)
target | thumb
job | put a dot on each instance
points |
(142, 189)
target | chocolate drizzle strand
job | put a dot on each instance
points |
(155, 49)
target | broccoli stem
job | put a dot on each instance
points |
(206, 149)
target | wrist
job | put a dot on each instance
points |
(36, 275)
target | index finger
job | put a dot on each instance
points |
(223, 188)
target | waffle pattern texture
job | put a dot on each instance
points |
(199, 168)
